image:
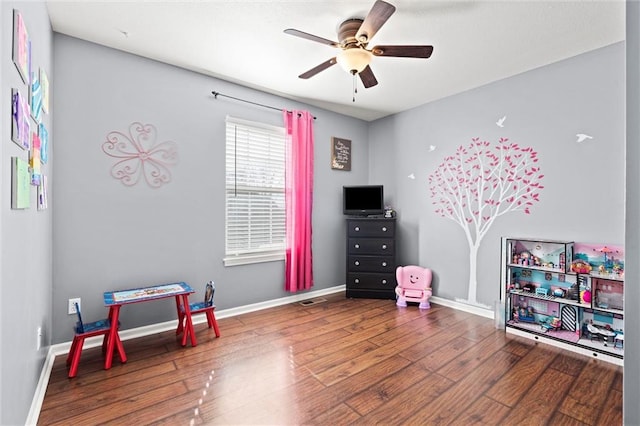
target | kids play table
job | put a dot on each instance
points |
(115, 299)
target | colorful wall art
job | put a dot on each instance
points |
(43, 198)
(20, 184)
(21, 47)
(44, 86)
(34, 160)
(19, 119)
(140, 156)
(44, 143)
(36, 97)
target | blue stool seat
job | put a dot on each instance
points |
(93, 326)
(200, 306)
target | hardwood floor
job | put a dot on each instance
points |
(342, 361)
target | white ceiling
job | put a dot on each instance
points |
(475, 42)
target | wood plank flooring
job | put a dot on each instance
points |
(342, 361)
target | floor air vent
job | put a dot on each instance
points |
(313, 301)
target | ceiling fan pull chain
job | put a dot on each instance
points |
(355, 86)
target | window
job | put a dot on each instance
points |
(255, 211)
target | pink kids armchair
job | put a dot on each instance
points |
(414, 285)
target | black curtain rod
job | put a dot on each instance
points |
(216, 94)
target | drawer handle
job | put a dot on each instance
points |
(357, 246)
(384, 263)
(384, 229)
(357, 262)
(384, 281)
(357, 281)
(384, 247)
(357, 228)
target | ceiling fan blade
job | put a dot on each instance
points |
(403, 51)
(311, 37)
(367, 77)
(378, 15)
(315, 70)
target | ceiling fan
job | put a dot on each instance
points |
(355, 55)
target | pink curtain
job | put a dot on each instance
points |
(298, 200)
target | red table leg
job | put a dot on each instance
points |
(180, 328)
(188, 324)
(120, 348)
(114, 339)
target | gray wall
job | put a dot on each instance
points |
(632, 243)
(109, 236)
(2, 193)
(25, 248)
(583, 198)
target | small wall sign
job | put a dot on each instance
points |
(340, 154)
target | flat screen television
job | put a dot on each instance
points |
(363, 200)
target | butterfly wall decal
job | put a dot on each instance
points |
(140, 156)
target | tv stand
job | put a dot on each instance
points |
(371, 257)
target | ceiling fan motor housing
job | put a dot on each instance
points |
(347, 33)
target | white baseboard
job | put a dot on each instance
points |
(476, 310)
(41, 389)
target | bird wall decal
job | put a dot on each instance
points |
(582, 137)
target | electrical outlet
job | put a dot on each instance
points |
(39, 338)
(72, 305)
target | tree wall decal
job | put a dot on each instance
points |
(480, 183)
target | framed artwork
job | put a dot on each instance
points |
(340, 154)
(20, 184)
(44, 143)
(42, 194)
(21, 46)
(36, 97)
(44, 87)
(34, 160)
(19, 119)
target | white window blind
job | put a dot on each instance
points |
(255, 211)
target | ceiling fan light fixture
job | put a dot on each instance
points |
(354, 60)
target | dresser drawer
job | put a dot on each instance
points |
(371, 264)
(365, 280)
(380, 246)
(371, 228)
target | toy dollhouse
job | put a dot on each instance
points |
(566, 294)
